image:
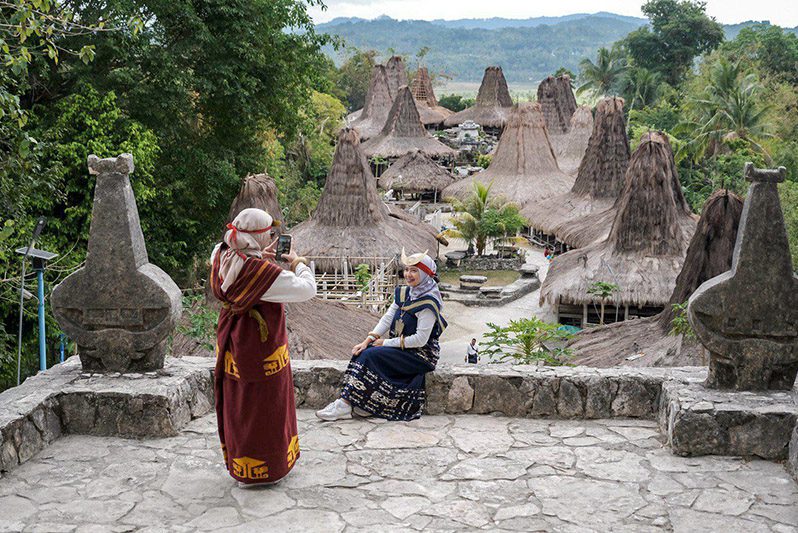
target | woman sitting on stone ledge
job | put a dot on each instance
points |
(254, 388)
(385, 377)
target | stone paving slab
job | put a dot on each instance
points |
(439, 473)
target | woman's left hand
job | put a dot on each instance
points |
(378, 342)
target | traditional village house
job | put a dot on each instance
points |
(493, 104)
(598, 182)
(258, 191)
(403, 133)
(351, 221)
(648, 341)
(570, 148)
(523, 168)
(641, 257)
(379, 100)
(416, 175)
(432, 115)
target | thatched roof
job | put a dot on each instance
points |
(258, 191)
(320, 329)
(645, 249)
(524, 168)
(351, 220)
(379, 99)
(558, 102)
(709, 255)
(397, 75)
(600, 176)
(493, 104)
(416, 173)
(404, 133)
(569, 148)
(428, 109)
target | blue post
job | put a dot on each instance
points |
(61, 342)
(42, 339)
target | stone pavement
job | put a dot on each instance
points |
(439, 473)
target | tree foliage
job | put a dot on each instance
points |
(526, 341)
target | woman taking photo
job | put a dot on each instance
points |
(254, 388)
(385, 377)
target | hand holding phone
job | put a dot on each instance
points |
(283, 246)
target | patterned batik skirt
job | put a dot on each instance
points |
(387, 382)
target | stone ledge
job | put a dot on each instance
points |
(792, 461)
(64, 399)
(701, 421)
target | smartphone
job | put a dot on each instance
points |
(283, 245)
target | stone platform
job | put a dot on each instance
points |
(66, 400)
(439, 473)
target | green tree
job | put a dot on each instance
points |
(640, 88)
(455, 102)
(772, 48)
(679, 31)
(605, 75)
(603, 290)
(355, 76)
(482, 217)
(788, 192)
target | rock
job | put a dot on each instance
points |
(403, 506)
(569, 404)
(634, 399)
(526, 510)
(472, 283)
(748, 317)
(461, 396)
(528, 270)
(400, 435)
(598, 403)
(31, 441)
(792, 461)
(119, 307)
(498, 394)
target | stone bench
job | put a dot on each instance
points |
(472, 283)
(493, 293)
(529, 271)
(453, 258)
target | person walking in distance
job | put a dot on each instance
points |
(472, 354)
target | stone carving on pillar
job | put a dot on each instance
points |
(119, 308)
(748, 317)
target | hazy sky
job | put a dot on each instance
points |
(781, 12)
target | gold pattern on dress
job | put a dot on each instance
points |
(224, 453)
(249, 468)
(293, 451)
(263, 328)
(230, 365)
(276, 361)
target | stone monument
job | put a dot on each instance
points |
(119, 307)
(748, 317)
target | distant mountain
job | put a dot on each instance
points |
(528, 50)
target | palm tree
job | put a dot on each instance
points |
(641, 87)
(729, 108)
(482, 216)
(603, 76)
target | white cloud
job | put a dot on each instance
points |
(782, 12)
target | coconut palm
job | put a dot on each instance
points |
(641, 87)
(603, 76)
(482, 216)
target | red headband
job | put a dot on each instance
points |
(424, 268)
(235, 230)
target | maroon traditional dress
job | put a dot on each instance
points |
(254, 389)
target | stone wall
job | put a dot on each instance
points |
(488, 263)
(792, 462)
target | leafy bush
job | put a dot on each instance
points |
(679, 324)
(523, 342)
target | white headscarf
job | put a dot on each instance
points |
(427, 285)
(247, 235)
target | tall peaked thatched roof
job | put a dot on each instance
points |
(416, 173)
(600, 176)
(351, 220)
(379, 100)
(569, 148)
(524, 168)
(493, 103)
(397, 74)
(258, 191)
(428, 109)
(404, 133)
(709, 255)
(646, 246)
(558, 102)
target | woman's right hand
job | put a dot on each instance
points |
(357, 348)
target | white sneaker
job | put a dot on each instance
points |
(337, 410)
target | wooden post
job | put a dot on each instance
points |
(626, 312)
(584, 315)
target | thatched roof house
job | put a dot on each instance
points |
(416, 173)
(524, 168)
(558, 102)
(600, 177)
(645, 249)
(351, 220)
(379, 100)
(709, 255)
(258, 191)
(569, 148)
(403, 133)
(430, 112)
(493, 104)
(397, 74)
